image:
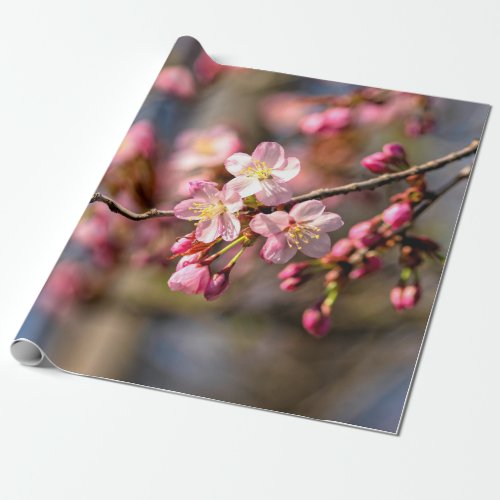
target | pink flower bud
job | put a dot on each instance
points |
(378, 163)
(217, 285)
(316, 322)
(394, 150)
(342, 248)
(398, 214)
(370, 264)
(334, 275)
(410, 296)
(360, 230)
(363, 235)
(187, 260)
(312, 123)
(183, 244)
(337, 118)
(292, 270)
(291, 284)
(396, 297)
(417, 125)
(191, 279)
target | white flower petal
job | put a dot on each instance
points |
(245, 186)
(202, 189)
(271, 153)
(230, 226)
(238, 162)
(288, 171)
(207, 191)
(184, 210)
(317, 247)
(269, 224)
(276, 250)
(307, 210)
(209, 230)
(273, 192)
(232, 199)
(328, 221)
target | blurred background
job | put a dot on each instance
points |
(106, 309)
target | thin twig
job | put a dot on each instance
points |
(318, 194)
(120, 209)
(381, 180)
(424, 205)
(463, 174)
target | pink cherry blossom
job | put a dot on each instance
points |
(190, 279)
(176, 80)
(139, 141)
(204, 148)
(213, 209)
(304, 229)
(263, 174)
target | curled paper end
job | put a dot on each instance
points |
(188, 42)
(27, 352)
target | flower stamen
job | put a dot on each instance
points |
(207, 211)
(258, 169)
(300, 234)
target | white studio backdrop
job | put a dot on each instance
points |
(67, 98)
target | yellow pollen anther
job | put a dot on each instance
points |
(207, 211)
(258, 169)
(299, 235)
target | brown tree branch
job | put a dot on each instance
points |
(318, 194)
(120, 209)
(381, 180)
(427, 202)
(424, 205)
